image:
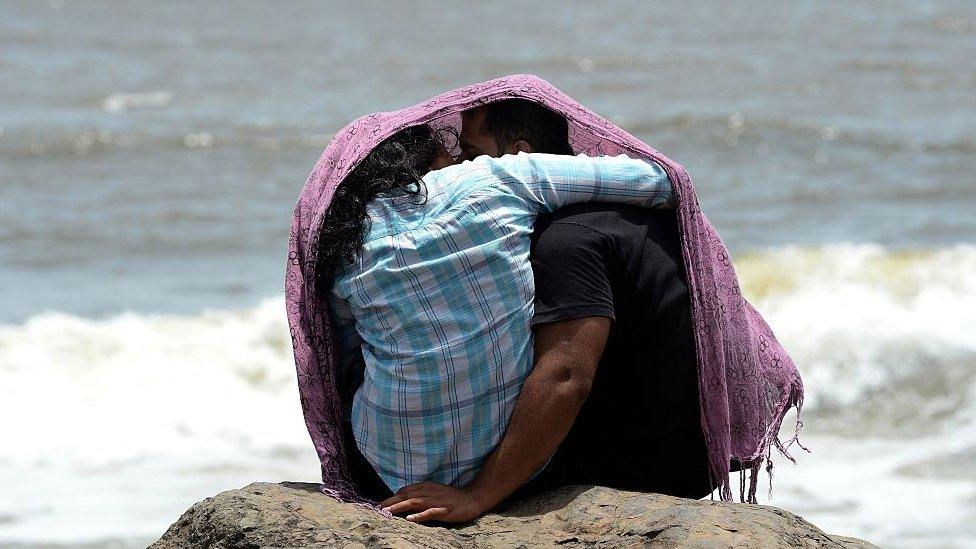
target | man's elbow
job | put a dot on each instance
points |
(567, 355)
(572, 384)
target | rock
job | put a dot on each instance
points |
(298, 515)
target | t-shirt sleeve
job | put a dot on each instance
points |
(572, 274)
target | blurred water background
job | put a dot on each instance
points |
(151, 154)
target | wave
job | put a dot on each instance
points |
(32, 144)
(110, 391)
(738, 126)
(731, 129)
(884, 340)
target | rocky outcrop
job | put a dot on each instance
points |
(297, 515)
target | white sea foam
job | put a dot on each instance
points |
(96, 392)
(118, 102)
(141, 415)
(885, 340)
(886, 343)
(111, 427)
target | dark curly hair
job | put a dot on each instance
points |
(394, 167)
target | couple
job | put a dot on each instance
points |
(516, 319)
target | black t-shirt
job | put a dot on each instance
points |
(624, 262)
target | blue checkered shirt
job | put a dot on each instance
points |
(440, 302)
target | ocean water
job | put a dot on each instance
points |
(151, 154)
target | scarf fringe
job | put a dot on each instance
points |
(753, 466)
(347, 494)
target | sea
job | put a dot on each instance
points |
(151, 154)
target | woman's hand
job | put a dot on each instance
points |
(431, 501)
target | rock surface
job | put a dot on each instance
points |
(297, 515)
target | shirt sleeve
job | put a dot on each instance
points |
(548, 182)
(570, 264)
(350, 369)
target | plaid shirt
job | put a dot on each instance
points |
(440, 302)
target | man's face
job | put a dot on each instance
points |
(474, 141)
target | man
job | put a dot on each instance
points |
(613, 397)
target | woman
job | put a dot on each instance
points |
(394, 168)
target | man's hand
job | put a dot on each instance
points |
(432, 501)
(566, 357)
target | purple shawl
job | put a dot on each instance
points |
(747, 381)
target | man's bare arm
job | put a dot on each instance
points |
(566, 356)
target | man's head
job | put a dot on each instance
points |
(511, 126)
